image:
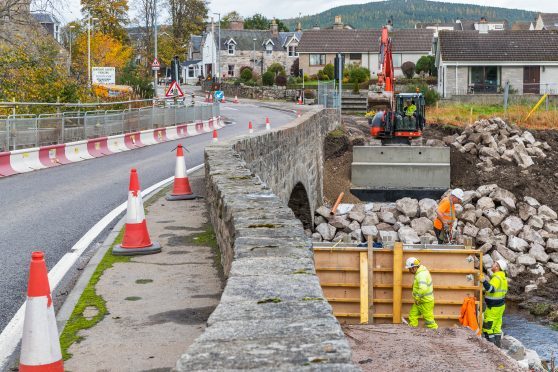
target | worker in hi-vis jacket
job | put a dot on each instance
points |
(423, 294)
(495, 292)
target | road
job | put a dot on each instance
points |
(51, 209)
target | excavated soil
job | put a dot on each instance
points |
(401, 348)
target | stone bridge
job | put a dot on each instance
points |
(262, 191)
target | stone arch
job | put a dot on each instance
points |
(299, 203)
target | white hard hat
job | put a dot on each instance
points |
(411, 262)
(458, 193)
(503, 265)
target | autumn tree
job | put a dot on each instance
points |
(187, 18)
(112, 16)
(146, 17)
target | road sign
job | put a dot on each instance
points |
(219, 95)
(103, 75)
(155, 66)
(174, 90)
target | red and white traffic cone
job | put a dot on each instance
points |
(136, 240)
(299, 100)
(215, 137)
(267, 124)
(210, 98)
(181, 189)
(40, 345)
(235, 99)
(250, 129)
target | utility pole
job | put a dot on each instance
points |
(219, 49)
(156, 77)
(89, 26)
(71, 28)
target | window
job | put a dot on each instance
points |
(317, 59)
(498, 27)
(231, 48)
(191, 72)
(396, 60)
(292, 51)
(231, 70)
(355, 56)
(269, 49)
(484, 79)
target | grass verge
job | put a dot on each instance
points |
(89, 297)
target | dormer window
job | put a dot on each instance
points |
(231, 47)
(269, 47)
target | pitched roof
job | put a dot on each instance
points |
(45, 17)
(244, 39)
(521, 25)
(364, 41)
(453, 25)
(550, 20)
(196, 42)
(498, 46)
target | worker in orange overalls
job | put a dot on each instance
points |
(445, 215)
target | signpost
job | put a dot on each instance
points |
(219, 95)
(103, 75)
(174, 90)
(155, 66)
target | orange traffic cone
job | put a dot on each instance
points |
(299, 100)
(181, 189)
(40, 346)
(250, 129)
(235, 99)
(136, 239)
(267, 124)
(215, 137)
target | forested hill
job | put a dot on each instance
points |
(405, 13)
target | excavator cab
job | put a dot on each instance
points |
(400, 124)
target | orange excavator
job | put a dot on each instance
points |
(404, 118)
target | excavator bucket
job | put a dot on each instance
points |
(388, 173)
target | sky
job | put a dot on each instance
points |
(291, 9)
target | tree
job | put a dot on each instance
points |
(256, 22)
(427, 64)
(246, 73)
(187, 18)
(139, 80)
(295, 68)
(357, 74)
(112, 16)
(145, 10)
(329, 71)
(277, 69)
(231, 16)
(408, 69)
(268, 78)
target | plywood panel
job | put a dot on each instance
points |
(339, 277)
(346, 308)
(337, 259)
(338, 292)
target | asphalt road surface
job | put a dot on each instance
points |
(51, 209)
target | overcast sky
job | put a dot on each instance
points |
(291, 9)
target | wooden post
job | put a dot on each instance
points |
(363, 287)
(471, 116)
(370, 281)
(480, 316)
(397, 280)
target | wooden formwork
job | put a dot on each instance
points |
(347, 271)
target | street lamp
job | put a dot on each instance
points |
(89, 26)
(156, 77)
(254, 54)
(219, 48)
(71, 28)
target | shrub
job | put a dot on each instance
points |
(295, 68)
(431, 96)
(329, 71)
(309, 93)
(358, 74)
(281, 80)
(322, 75)
(267, 78)
(276, 68)
(427, 64)
(408, 69)
(356, 88)
(245, 73)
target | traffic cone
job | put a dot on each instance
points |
(210, 98)
(181, 189)
(215, 137)
(136, 239)
(299, 100)
(250, 129)
(223, 100)
(267, 124)
(235, 99)
(40, 346)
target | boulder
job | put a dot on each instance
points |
(422, 225)
(517, 244)
(531, 235)
(513, 347)
(369, 230)
(551, 227)
(397, 226)
(525, 260)
(388, 236)
(483, 223)
(357, 235)
(468, 196)
(531, 201)
(341, 236)
(500, 239)
(353, 226)
(515, 269)
(339, 222)
(485, 248)
(323, 211)
(538, 253)
(317, 237)
(531, 288)
(387, 217)
(486, 190)
(485, 236)
(409, 207)
(504, 197)
(470, 230)
(448, 140)
(528, 137)
(525, 211)
(508, 254)
(496, 256)
(512, 225)
(494, 216)
(326, 231)
(370, 219)
(469, 216)
(485, 203)
(537, 270)
(318, 220)
(536, 222)
(408, 236)
(553, 257)
(384, 227)
(547, 213)
(357, 216)
(404, 220)
(369, 207)
(490, 152)
(552, 245)
(428, 208)
(487, 261)
(553, 267)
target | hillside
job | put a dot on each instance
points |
(405, 13)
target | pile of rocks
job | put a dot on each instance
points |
(527, 359)
(523, 232)
(493, 139)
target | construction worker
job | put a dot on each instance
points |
(495, 292)
(411, 108)
(445, 215)
(423, 294)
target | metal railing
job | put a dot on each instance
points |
(25, 131)
(328, 94)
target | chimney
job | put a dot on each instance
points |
(299, 27)
(338, 25)
(389, 25)
(483, 20)
(236, 23)
(274, 28)
(316, 27)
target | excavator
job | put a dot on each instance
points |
(397, 167)
(394, 125)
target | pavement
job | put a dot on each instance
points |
(51, 209)
(157, 304)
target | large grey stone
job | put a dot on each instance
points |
(428, 208)
(526, 260)
(422, 225)
(339, 222)
(552, 245)
(485, 203)
(553, 257)
(469, 216)
(402, 219)
(319, 219)
(387, 217)
(494, 216)
(317, 237)
(388, 236)
(353, 226)
(369, 230)
(505, 197)
(531, 201)
(515, 269)
(408, 236)
(409, 207)
(487, 261)
(513, 347)
(528, 137)
(547, 213)
(553, 267)
(356, 216)
(508, 254)
(551, 227)
(525, 211)
(530, 235)
(470, 230)
(326, 231)
(538, 253)
(344, 208)
(323, 211)
(485, 236)
(483, 223)
(517, 244)
(512, 226)
(536, 222)
(357, 235)
(485, 190)
(370, 219)
(341, 236)
(384, 227)
(469, 196)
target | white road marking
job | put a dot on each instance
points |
(10, 336)
(228, 108)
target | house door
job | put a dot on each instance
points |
(531, 79)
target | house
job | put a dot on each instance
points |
(546, 21)
(255, 48)
(49, 22)
(471, 62)
(319, 47)
(482, 25)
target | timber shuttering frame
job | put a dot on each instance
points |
(367, 285)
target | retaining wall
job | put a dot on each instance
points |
(272, 314)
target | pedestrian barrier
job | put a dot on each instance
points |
(366, 284)
(27, 160)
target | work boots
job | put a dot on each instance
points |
(495, 339)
